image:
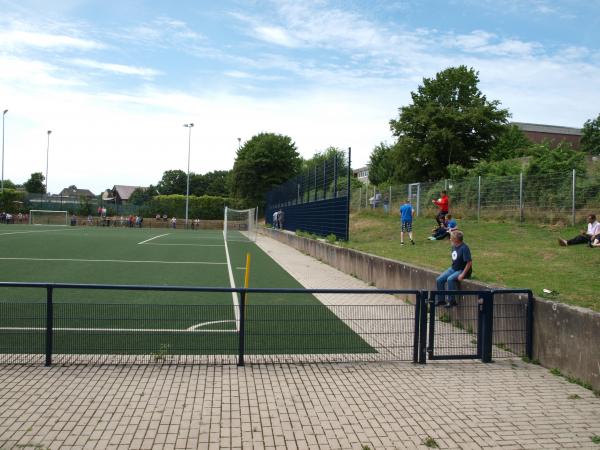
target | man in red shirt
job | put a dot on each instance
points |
(443, 204)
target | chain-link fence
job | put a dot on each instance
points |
(551, 198)
(80, 206)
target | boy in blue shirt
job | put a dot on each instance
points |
(406, 217)
(461, 268)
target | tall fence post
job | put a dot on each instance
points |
(242, 333)
(335, 176)
(348, 175)
(478, 197)
(521, 197)
(325, 180)
(390, 201)
(573, 199)
(359, 197)
(49, 322)
(315, 182)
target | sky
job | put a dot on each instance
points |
(116, 80)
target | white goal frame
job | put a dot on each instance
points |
(45, 211)
(247, 216)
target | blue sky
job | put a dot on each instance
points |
(115, 81)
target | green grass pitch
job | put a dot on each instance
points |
(146, 322)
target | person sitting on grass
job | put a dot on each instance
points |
(462, 265)
(586, 236)
(443, 231)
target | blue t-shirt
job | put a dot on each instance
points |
(461, 255)
(406, 211)
(451, 223)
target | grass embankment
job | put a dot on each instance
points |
(508, 254)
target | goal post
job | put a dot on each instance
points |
(240, 224)
(46, 217)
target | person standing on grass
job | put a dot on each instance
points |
(407, 213)
(443, 204)
(587, 236)
(462, 265)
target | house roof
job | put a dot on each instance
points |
(554, 129)
(124, 192)
(69, 192)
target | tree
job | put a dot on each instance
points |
(215, 183)
(590, 141)
(9, 185)
(319, 158)
(35, 184)
(381, 168)
(263, 162)
(143, 195)
(173, 182)
(511, 144)
(449, 121)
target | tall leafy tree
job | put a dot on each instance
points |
(449, 121)
(143, 195)
(173, 182)
(512, 143)
(590, 141)
(35, 184)
(263, 162)
(381, 169)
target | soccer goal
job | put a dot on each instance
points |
(240, 224)
(44, 217)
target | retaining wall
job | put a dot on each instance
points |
(564, 337)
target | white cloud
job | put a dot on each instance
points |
(116, 68)
(275, 35)
(16, 39)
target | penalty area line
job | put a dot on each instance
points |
(152, 238)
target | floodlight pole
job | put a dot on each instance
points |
(3, 114)
(187, 190)
(47, 155)
(239, 143)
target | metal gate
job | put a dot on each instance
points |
(414, 194)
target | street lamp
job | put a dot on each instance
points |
(3, 114)
(239, 143)
(187, 190)
(47, 153)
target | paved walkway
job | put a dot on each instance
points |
(507, 404)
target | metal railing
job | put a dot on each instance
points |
(343, 325)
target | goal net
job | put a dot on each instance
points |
(240, 225)
(44, 217)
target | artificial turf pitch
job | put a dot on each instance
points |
(151, 322)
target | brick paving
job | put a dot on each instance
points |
(507, 404)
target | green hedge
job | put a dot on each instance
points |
(13, 201)
(206, 207)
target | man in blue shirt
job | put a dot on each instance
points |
(406, 217)
(461, 268)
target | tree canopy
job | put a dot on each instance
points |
(9, 184)
(590, 141)
(35, 184)
(172, 182)
(380, 169)
(266, 160)
(449, 121)
(143, 195)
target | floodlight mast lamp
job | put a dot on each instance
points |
(3, 114)
(187, 189)
(47, 155)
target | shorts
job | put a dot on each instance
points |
(407, 226)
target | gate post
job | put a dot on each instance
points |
(432, 299)
(486, 320)
(423, 328)
(529, 327)
(49, 322)
(417, 330)
(242, 328)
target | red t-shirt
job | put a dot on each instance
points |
(442, 203)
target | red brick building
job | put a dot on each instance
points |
(553, 134)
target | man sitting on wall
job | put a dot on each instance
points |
(586, 236)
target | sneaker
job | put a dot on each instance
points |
(413, 242)
(450, 304)
(401, 243)
(562, 242)
(431, 238)
(440, 302)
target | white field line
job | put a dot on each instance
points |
(192, 245)
(152, 238)
(200, 325)
(236, 308)
(113, 261)
(43, 231)
(124, 330)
